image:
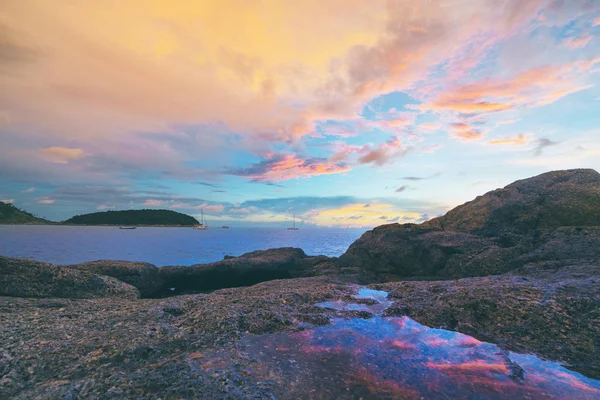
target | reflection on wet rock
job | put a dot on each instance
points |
(392, 358)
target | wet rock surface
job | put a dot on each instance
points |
(553, 312)
(196, 346)
(29, 278)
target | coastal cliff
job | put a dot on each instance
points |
(519, 267)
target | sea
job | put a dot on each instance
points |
(163, 246)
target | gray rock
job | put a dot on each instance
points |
(29, 278)
(553, 216)
(143, 276)
(245, 270)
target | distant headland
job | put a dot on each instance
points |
(10, 214)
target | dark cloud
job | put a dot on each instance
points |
(541, 144)
(421, 178)
(401, 189)
(206, 184)
(219, 191)
(355, 217)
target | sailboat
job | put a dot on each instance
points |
(293, 228)
(203, 224)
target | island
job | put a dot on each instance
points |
(10, 214)
(134, 218)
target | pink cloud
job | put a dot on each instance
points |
(7, 201)
(384, 153)
(465, 131)
(289, 166)
(212, 208)
(527, 88)
(243, 210)
(369, 154)
(46, 201)
(153, 203)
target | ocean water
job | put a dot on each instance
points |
(162, 246)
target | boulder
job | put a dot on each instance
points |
(143, 276)
(546, 201)
(29, 278)
(553, 216)
(245, 270)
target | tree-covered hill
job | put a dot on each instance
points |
(10, 214)
(133, 217)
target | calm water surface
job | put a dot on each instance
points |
(398, 358)
(162, 246)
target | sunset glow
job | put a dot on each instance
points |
(345, 113)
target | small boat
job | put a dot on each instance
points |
(127, 227)
(224, 227)
(203, 224)
(293, 228)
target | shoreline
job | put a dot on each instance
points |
(112, 225)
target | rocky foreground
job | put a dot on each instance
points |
(519, 267)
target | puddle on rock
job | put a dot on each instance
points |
(398, 358)
(382, 302)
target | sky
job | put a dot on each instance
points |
(346, 113)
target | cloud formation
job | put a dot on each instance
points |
(194, 97)
(61, 155)
(288, 166)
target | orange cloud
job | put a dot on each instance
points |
(519, 140)
(46, 201)
(464, 131)
(578, 42)
(61, 155)
(360, 214)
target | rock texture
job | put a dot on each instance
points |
(247, 269)
(546, 201)
(185, 346)
(545, 308)
(553, 216)
(29, 278)
(143, 276)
